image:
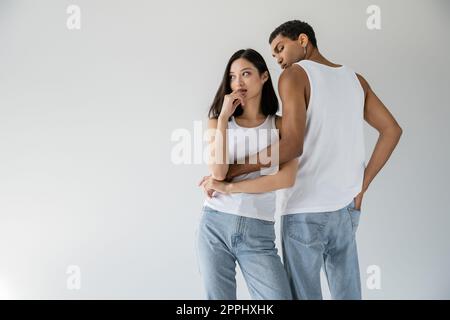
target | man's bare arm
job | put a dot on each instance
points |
(291, 87)
(379, 117)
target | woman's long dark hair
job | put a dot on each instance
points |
(269, 101)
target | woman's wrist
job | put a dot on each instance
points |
(223, 118)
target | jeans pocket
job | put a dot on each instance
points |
(306, 229)
(354, 218)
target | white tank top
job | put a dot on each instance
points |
(244, 141)
(331, 168)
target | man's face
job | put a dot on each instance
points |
(286, 51)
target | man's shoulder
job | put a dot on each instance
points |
(294, 74)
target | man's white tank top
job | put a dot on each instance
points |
(331, 168)
(244, 141)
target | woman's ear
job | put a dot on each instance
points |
(265, 76)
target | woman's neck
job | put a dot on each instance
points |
(252, 109)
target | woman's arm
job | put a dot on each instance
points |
(218, 148)
(218, 162)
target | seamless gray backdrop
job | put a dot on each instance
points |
(86, 118)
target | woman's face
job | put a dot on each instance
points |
(244, 76)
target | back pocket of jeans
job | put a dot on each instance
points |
(306, 232)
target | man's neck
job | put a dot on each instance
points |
(315, 55)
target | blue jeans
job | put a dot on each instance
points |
(313, 240)
(223, 240)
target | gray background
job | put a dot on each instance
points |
(86, 118)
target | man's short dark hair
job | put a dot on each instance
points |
(292, 29)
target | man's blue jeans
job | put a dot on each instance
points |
(313, 240)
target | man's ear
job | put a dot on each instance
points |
(303, 39)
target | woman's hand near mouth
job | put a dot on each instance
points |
(230, 103)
